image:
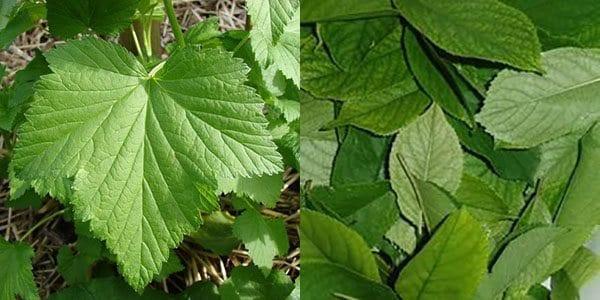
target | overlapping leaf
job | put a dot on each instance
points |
(67, 18)
(427, 149)
(450, 265)
(525, 109)
(275, 35)
(484, 29)
(16, 278)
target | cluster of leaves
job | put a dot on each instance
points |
(450, 149)
(136, 149)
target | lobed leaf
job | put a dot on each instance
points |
(144, 148)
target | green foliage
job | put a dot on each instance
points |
(494, 148)
(336, 261)
(66, 18)
(16, 278)
(275, 35)
(451, 263)
(140, 150)
(263, 238)
(18, 18)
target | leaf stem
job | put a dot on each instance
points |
(174, 24)
(137, 44)
(42, 222)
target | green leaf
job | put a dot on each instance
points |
(336, 261)
(403, 235)
(144, 149)
(513, 164)
(427, 149)
(264, 238)
(216, 233)
(525, 109)
(275, 35)
(361, 158)
(264, 189)
(6, 9)
(21, 93)
(317, 148)
(76, 267)
(106, 288)
(437, 203)
(483, 201)
(16, 278)
(67, 18)
(558, 159)
(465, 30)
(523, 262)
(204, 33)
(25, 18)
(563, 287)
(575, 21)
(249, 283)
(383, 113)
(172, 265)
(324, 10)
(511, 192)
(369, 208)
(380, 67)
(201, 290)
(451, 264)
(583, 266)
(579, 207)
(422, 62)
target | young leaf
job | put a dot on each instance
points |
(275, 35)
(67, 18)
(263, 238)
(451, 264)
(144, 148)
(216, 233)
(16, 278)
(484, 29)
(265, 189)
(431, 152)
(336, 261)
(526, 109)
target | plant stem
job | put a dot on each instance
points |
(137, 44)
(42, 222)
(174, 24)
